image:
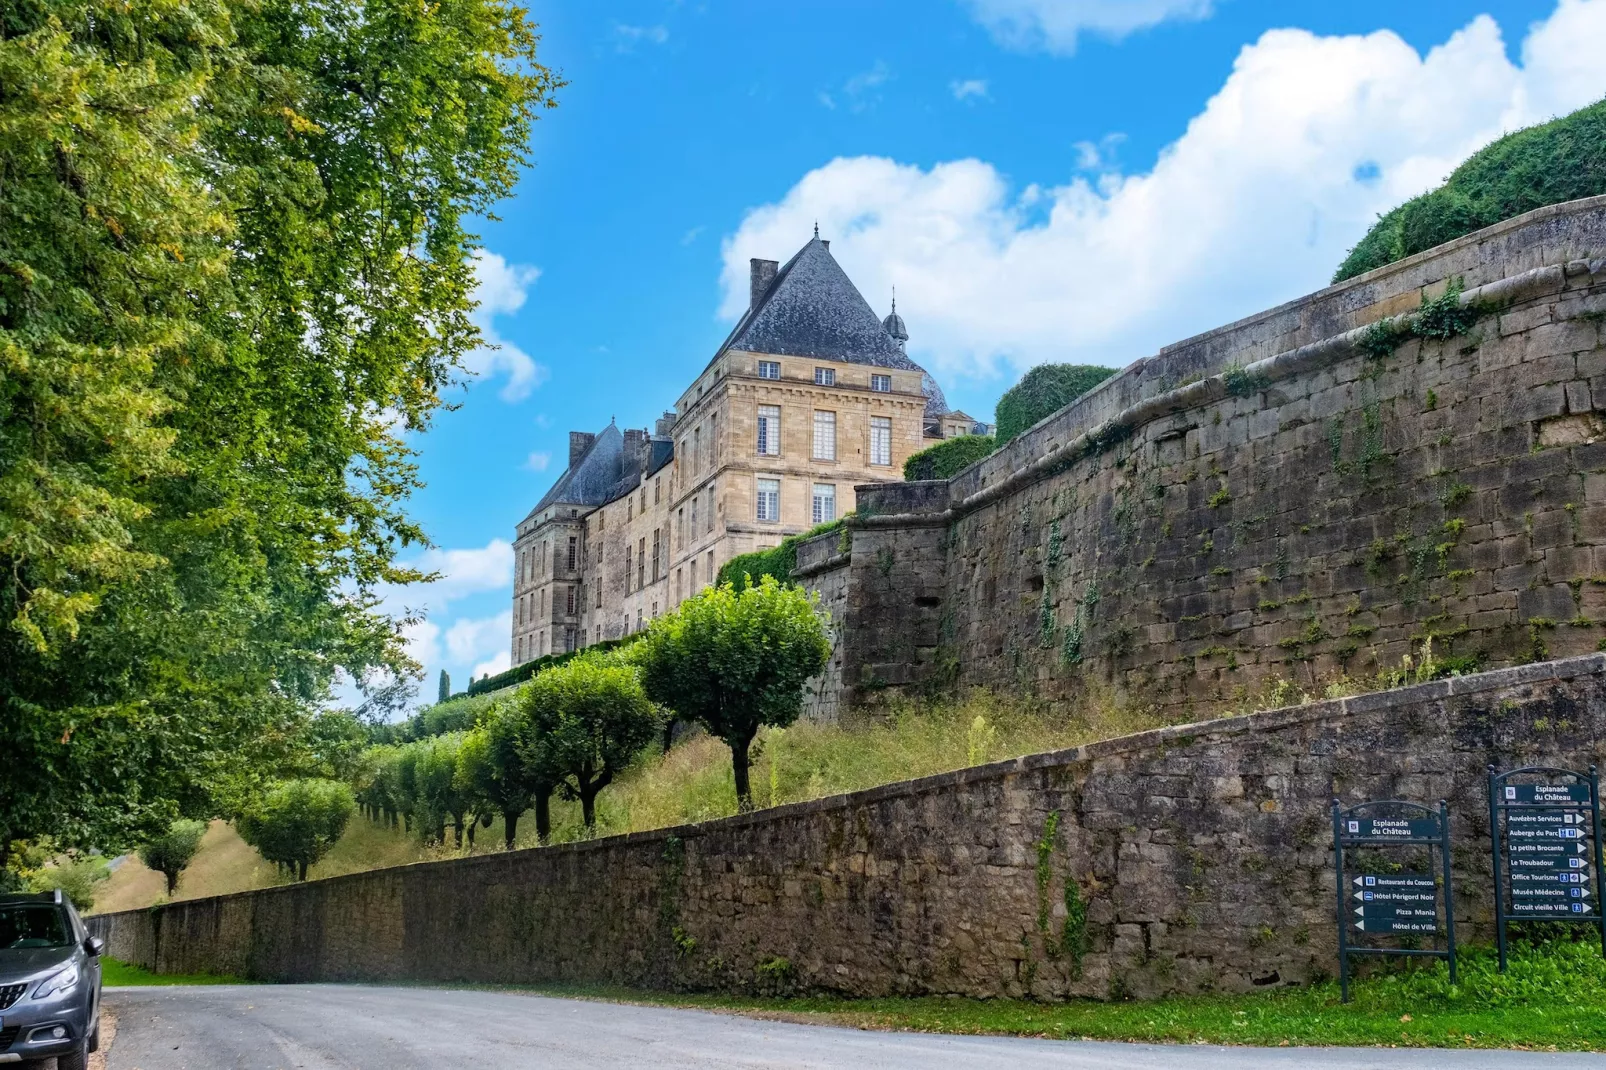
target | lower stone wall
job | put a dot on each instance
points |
(1200, 853)
(822, 562)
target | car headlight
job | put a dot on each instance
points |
(60, 981)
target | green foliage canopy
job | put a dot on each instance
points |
(172, 851)
(778, 562)
(734, 661)
(295, 822)
(1042, 392)
(1562, 160)
(491, 769)
(233, 260)
(948, 457)
(584, 723)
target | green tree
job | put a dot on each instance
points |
(583, 723)
(295, 822)
(1043, 391)
(491, 768)
(1562, 160)
(438, 796)
(444, 691)
(170, 853)
(735, 661)
(234, 270)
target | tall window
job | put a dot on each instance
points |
(824, 502)
(881, 384)
(769, 369)
(769, 430)
(769, 499)
(696, 449)
(627, 566)
(880, 440)
(824, 376)
(641, 563)
(656, 488)
(710, 525)
(655, 554)
(680, 525)
(680, 574)
(599, 592)
(710, 566)
(825, 436)
(574, 550)
(694, 518)
(568, 602)
(543, 602)
(569, 639)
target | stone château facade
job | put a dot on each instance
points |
(809, 396)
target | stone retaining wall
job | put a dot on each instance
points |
(1201, 855)
(1290, 498)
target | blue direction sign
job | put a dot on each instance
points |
(1546, 848)
(1393, 904)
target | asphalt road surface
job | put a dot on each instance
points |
(353, 1027)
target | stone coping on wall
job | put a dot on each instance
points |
(1479, 683)
(1545, 236)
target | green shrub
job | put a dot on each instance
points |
(1561, 160)
(520, 673)
(1043, 391)
(295, 822)
(172, 851)
(948, 457)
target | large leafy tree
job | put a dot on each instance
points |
(492, 771)
(584, 722)
(735, 661)
(234, 269)
(295, 822)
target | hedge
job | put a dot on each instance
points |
(1043, 391)
(778, 562)
(520, 673)
(1561, 160)
(947, 457)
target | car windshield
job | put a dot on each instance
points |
(25, 925)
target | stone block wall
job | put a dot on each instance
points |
(1198, 856)
(1297, 496)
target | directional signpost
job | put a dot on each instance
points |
(1550, 868)
(1392, 904)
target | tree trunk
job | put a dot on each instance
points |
(510, 827)
(471, 825)
(303, 872)
(407, 821)
(588, 807)
(172, 883)
(543, 816)
(457, 831)
(669, 734)
(744, 791)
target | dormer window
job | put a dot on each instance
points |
(824, 376)
(769, 369)
(881, 384)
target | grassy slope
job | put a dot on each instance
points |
(692, 783)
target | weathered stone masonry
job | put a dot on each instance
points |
(1199, 855)
(1292, 496)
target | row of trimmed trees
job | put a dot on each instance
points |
(732, 661)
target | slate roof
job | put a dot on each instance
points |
(589, 480)
(812, 309)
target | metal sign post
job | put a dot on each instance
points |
(1399, 903)
(1550, 869)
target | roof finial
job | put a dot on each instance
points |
(816, 230)
(894, 300)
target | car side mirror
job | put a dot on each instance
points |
(94, 945)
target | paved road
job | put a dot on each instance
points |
(351, 1027)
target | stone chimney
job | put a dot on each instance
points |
(763, 275)
(579, 442)
(635, 439)
(665, 425)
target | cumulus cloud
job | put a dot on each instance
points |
(970, 87)
(1055, 25)
(470, 639)
(500, 662)
(1307, 140)
(539, 461)
(501, 289)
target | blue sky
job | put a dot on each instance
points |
(1043, 180)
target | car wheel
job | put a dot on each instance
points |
(76, 1060)
(94, 1038)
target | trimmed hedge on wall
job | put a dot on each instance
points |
(948, 457)
(1043, 391)
(778, 562)
(520, 673)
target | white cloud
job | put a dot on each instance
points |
(626, 37)
(463, 572)
(859, 91)
(691, 235)
(502, 662)
(500, 289)
(470, 639)
(1055, 25)
(538, 461)
(970, 87)
(1308, 139)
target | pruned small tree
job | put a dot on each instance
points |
(295, 822)
(494, 775)
(438, 796)
(735, 661)
(171, 852)
(583, 723)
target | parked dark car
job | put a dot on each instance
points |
(49, 982)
